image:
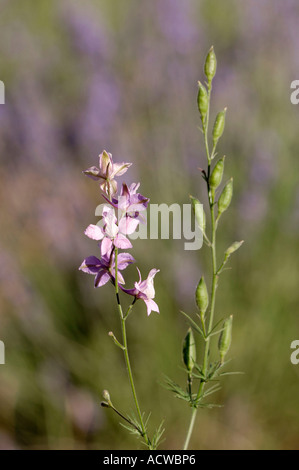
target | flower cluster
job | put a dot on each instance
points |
(128, 206)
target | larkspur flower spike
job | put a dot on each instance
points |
(112, 235)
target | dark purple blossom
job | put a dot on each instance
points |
(104, 269)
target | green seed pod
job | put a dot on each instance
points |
(189, 350)
(219, 126)
(225, 197)
(199, 213)
(202, 101)
(217, 173)
(225, 338)
(202, 297)
(210, 65)
(234, 247)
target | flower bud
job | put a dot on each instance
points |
(202, 297)
(217, 173)
(210, 64)
(199, 213)
(202, 101)
(225, 197)
(189, 350)
(234, 247)
(106, 396)
(225, 338)
(218, 126)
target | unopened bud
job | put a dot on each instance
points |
(106, 396)
(202, 297)
(189, 350)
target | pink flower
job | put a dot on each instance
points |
(111, 233)
(145, 290)
(129, 202)
(106, 172)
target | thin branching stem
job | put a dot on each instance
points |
(126, 352)
(214, 278)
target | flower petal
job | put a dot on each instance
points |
(123, 260)
(120, 278)
(133, 291)
(147, 286)
(112, 184)
(90, 265)
(133, 188)
(113, 203)
(127, 225)
(110, 228)
(94, 232)
(119, 169)
(101, 278)
(105, 160)
(151, 306)
(106, 247)
(122, 242)
(93, 172)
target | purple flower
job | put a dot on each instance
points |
(104, 269)
(106, 172)
(145, 290)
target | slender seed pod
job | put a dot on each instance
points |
(219, 126)
(202, 101)
(225, 338)
(189, 351)
(210, 65)
(225, 197)
(202, 297)
(199, 213)
(234, 247)
(217, 173)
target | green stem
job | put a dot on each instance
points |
(126, 352)
(213, 287)
(190, 429)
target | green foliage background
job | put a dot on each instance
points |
(123, 76)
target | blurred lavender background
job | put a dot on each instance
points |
(122, 76)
